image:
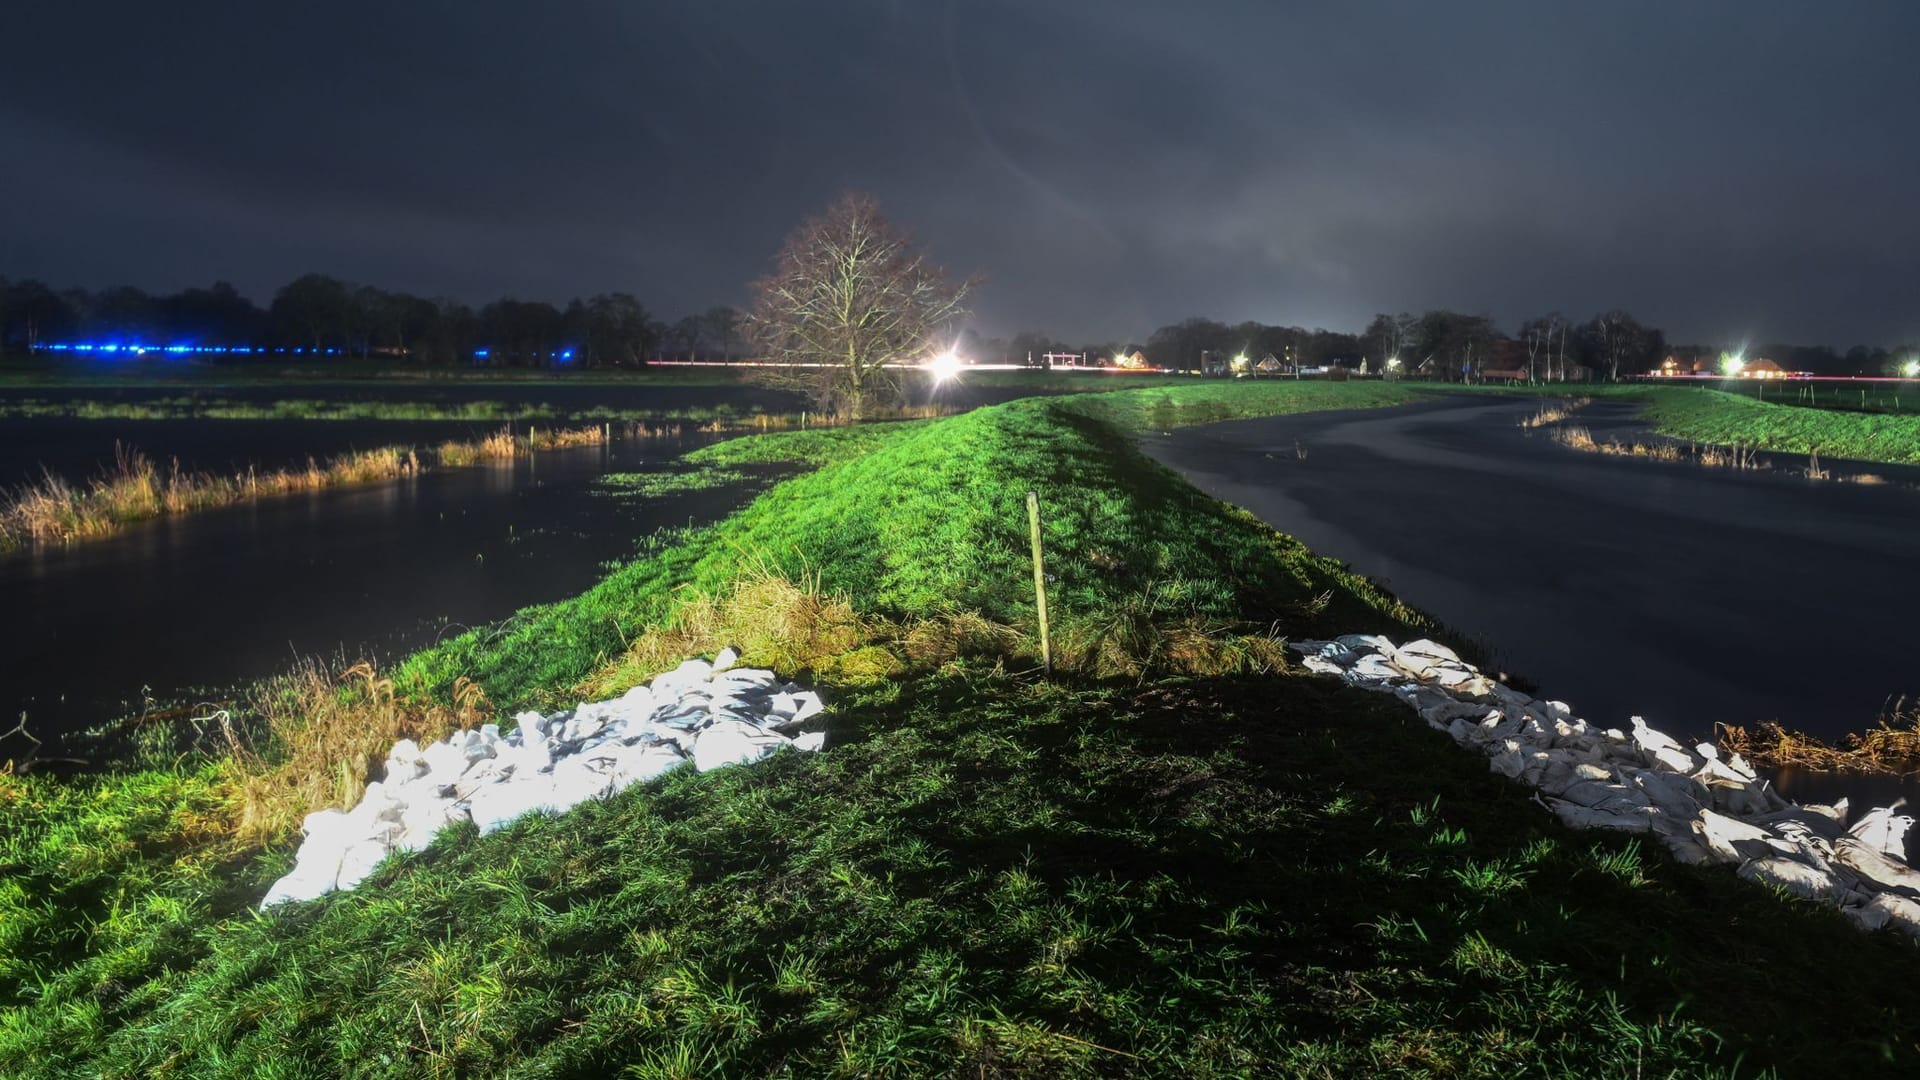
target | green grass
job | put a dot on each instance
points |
(1889, 397)
(1723, 418)
(1712, 416)
(927, 518)
(654, 485)
(986, 874)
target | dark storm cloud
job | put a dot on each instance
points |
(1727, 170)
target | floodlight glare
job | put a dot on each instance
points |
(1912, 369)
(945, 366)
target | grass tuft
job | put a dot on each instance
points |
(1891, 746)
(320, 732)
(54, 511)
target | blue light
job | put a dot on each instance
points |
(482, 353)
(566, 354)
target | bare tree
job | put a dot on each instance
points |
(1388, 335)
(1538, 336)
(1617, 338)
(720, 331)
(848, 303)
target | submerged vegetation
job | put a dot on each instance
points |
(1578, 437)
(720, 417)
(1892, 746)
(133, 489)
(1548, 415)
(653, 485)
(1125, 869)
(1721, 418)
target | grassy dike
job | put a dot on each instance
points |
(1721, 418)
(1726, 419)
(1169, 860)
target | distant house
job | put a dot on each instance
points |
(1269, 365)
(1762, 368)
(1507, 364)
(1131, 359)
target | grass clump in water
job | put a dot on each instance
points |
(133, 489)
(1891, 746)
(655, 485)
(55, 511)
(1554, 414)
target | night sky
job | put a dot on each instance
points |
(1728, 171)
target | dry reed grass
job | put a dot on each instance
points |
(1553, 414)
(794, 627)
(455, 454)
(1576, 437)
(322, 730)
(133, 489)
(1891, 746)
(56, 511)
(539, 439)
(1729, 457)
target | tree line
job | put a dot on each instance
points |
(318, 313)
(1440, 344)
(1444, 345)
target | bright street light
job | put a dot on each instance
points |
(1912, 369)
(945, 366)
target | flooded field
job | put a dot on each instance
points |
(1691, 596)
(184, 607)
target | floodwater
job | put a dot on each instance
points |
(559, 394)
(78, 450)
(183, 608)
(1687, 595)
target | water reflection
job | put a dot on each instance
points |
(190, 604)
(1687, 595)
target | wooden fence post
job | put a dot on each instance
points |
(1039, 579)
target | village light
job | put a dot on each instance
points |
(945, 366)
(1731, 363)
(1912, 369)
